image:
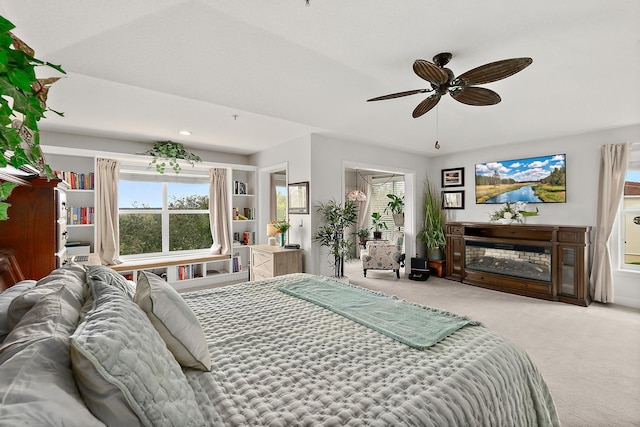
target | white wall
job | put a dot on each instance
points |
(583, 165)
(330, 156)
(296, 155)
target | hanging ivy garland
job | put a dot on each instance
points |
(167, 153)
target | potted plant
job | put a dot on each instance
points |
(282, 226)
(378, 225)
(336, 219)
(396, 207)
(432, 233)
(22, 105)
(362, 234)
(164, 152)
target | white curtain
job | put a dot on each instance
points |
(219, 212)
(107, 233)
(363, 207)
(613, 168)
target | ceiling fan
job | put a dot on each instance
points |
(461, 88)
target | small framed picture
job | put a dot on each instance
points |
(453, 177)
(453, 199)
(299, 198)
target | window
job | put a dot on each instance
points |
(380, 187)
(162, 214)
(630, 218)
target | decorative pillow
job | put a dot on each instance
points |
(72, 278)
(174, 320)
(36, 382)
(125, 373)
(107, 275)
(5, 300)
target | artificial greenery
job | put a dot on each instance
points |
(23, 102)
(5, 190)
(378, 222)
(432, 233)
(363, 232)
(336, 219)
(395, 204)
(164, 152)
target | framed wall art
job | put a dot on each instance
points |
(453, 177)
(453, 199)
(540, 179)
(299, 198)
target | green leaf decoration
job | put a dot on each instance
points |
(4, 206)
(21, 89)
(6, 188)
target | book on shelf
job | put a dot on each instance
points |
(237, 263)
(239, 187)
(249, 213)
(77, 181)
(80, 215)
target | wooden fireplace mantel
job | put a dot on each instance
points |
(568, 247)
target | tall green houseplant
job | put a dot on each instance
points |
(432, 233)
(336, 219)
(22, 104)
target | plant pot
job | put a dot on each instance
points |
(398, 219)
(377, 235)
(435, 253)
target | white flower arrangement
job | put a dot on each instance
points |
(510, 212)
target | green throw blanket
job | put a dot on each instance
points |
(417, 326)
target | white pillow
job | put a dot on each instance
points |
(125, 373)
(174, 320)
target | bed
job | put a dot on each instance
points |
(85, 347)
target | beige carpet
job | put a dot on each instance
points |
(590, 357)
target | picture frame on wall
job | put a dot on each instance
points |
(453, 177)
(299, 198)
(453, 199)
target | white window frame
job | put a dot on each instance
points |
(134, 174)
(634, 164)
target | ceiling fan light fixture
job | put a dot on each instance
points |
(462, 88)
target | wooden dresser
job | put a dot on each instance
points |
(270, 261)
(37, 227)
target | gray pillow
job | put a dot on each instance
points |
(5, 300)
(36, 383)
(72, 278)
(124, 371)
(174, 320)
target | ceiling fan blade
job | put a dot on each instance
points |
(430, 72)
(495, 71)
(399, 94)
(476, 96)
(426, 105)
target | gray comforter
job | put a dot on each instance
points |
(281, 361)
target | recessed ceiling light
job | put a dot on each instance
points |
(185, 132)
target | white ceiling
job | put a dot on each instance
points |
(144, 69)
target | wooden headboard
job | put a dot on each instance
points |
(10, 272)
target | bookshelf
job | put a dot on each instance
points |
(79, 165)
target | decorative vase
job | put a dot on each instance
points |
(281, 235)
(435, 253)
(505, 221)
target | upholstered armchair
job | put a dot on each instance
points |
(383, 254)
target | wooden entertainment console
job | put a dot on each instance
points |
(542, 261)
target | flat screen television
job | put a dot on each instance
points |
(539, 179)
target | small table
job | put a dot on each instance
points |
(363, 243)
(437, 265)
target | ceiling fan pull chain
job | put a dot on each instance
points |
(437, 127)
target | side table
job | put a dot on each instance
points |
(437, 265)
